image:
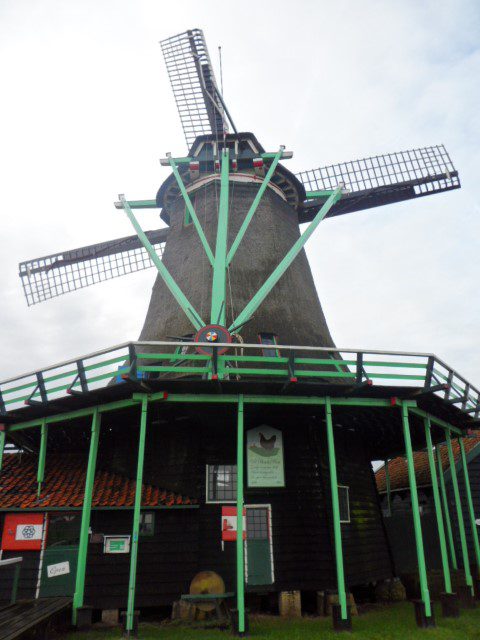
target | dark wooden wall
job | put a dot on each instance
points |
(189, 540)
(166, 563)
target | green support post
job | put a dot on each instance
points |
(458, 506)
(446, 510)
(218, 311)
(86, 512)
(337, 529)
(278, 272)
(136, 517)
(2, 446)
(191, 211)
(239, 542)
(42, 456)
(175, 290)
(417, 525)
(438, 508)
(389, 492)
(471, 511)
(254, 206)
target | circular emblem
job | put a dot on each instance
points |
(213, 333)
(28, 532)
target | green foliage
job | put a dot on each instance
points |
(394, 622)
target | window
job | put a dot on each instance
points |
(221, 483)
(344, 502)
(147, 523)
(63, 529)
(271, 339)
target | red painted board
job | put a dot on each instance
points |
(22, 532)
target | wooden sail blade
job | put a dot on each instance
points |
(379, 180)
(199, 102)
(51, 276)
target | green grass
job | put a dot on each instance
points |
(382, 623)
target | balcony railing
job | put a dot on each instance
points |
(291, 364)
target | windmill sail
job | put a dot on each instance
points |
(59, 273)
(379, 180)
(199, 102)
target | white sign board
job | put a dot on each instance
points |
(29, 532)
(59, 569)
(265, 457)
(116, 544)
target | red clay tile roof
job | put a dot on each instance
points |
(398, 466)
(64, 485)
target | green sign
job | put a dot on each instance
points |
(116, 544)
(265, 457)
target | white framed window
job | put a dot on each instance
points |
(344, 502)
(221, 483)
(147, 523)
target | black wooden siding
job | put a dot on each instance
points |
(189, 540)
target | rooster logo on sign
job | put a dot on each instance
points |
(267, 443)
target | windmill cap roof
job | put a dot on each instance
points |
(285, 180)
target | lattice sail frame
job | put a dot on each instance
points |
(54, 275)
(193, 84)
(416, 172)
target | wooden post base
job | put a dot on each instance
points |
(84, 618)
(134, 631)
(420, 617)
(339, 624)
(450, 605)
(467, 601)
(234, 622)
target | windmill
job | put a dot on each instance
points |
(232, 268)
(231, 261)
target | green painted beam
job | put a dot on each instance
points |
(388, 486)
(2, 447)
(446, 510)
(72, 415)
(219, 282)
(136, 517)
(337, 529)
(324, 193)
(199, 398)
(254, 206)
(240, 504)
(143, 204)
(78, 598)
(437, 421)
(165, 162)
(471, 510)
(438, 508)
(192, 212)
(278, 272)
(173, 287)
(417, 525)
(458, 506)
(42, 456)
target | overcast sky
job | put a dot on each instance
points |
(87, 111)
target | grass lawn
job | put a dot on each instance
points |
(383, 623)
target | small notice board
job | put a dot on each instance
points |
(229, 524)
(116, 544)
(265, 457)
